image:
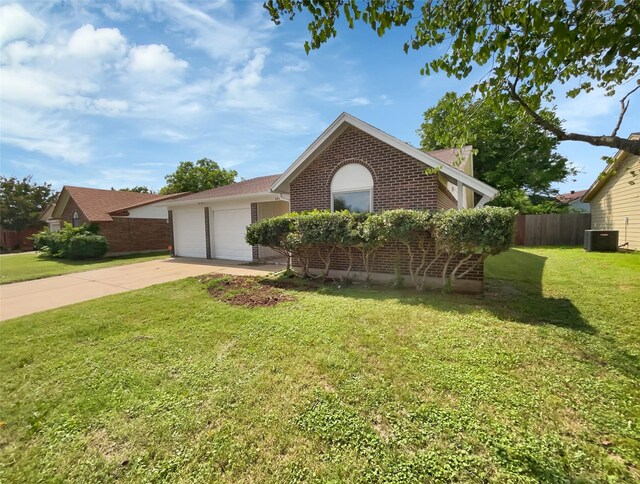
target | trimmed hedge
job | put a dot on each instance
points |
(71, 242)
(448, 234)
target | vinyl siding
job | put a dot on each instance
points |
(617, 200)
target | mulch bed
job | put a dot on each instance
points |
(245, 291)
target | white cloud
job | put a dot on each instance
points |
(52, 135)
(108, 107)
(222, 38)
(63, 82)
(296, 67)
(155, 60)
(36, 87)
(358, 101)
(89, 42)
(582, 113)
(16, 24)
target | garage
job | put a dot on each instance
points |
(189, 233)
(230, 209)
(229, 227)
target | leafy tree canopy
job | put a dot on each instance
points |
(22, 201)
(195, 177)
(523, 47)
(138, 189)
(512, 153)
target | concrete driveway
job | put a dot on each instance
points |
(22, 298)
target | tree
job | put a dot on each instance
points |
(512, 154)
(195, 177)
(525, 47)
(22, 202)
(138, 189)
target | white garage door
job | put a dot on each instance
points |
(188, 233)
(229, 227)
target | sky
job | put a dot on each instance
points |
(116, 93)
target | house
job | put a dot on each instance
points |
(352, 165)
(131, 221)
(574, 200)
(615, 198)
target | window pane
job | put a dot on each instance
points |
(352, 201)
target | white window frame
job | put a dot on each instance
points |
(354, 184)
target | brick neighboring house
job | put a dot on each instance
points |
(351, 165)
(131, 221)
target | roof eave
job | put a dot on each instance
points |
(227, 198)
(346, 119)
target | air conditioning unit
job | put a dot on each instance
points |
(601, 240)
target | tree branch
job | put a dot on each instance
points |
(623, 108)
(632, 146)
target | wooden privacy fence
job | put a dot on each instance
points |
(552, 229)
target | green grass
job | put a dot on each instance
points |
(28, 266)
(537, 381)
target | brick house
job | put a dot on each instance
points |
(353, 166)
(131, 222)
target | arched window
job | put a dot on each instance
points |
(75, 219)
(352, 189)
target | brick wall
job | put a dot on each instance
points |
(445, 198)
(127, 234)
(67, 214)
(399, 182)
(255, 250)
(136, 234)
(394, 256)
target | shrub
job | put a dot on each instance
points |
(370, 236)
(87, 246)
(71, 242)
(451, 233)
(273, 233)
(413, 229)
(469, 232)
(324, 232)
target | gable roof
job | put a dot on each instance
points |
(258, 185)
(572, 196)
(343, 122)
(609, 170)
(47, 213)
(453, 156)
(98, 205)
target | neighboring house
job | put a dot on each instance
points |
(615, 198)
(574, 200)
(351, 165)
(131, 222)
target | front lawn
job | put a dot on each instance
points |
(27, 266)
(537, 381)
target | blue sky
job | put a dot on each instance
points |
(117, 93)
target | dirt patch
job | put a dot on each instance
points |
(244, 291)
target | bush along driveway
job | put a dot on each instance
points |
(537, 381)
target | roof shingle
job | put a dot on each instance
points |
(97, 205)
(261, 184)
